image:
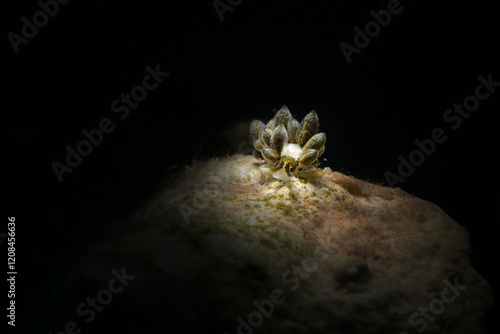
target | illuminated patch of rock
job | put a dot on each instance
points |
(215, 248)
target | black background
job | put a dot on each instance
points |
(224, 73)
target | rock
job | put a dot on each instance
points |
(227, 248)
(351, 271)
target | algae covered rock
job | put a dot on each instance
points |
(227, 248)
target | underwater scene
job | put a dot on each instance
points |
(241, 167)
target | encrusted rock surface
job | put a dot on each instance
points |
(224, 247)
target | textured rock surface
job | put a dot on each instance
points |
(333, 254)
